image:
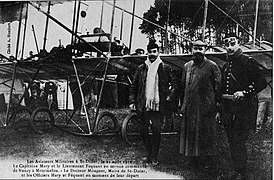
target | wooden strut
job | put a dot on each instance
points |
(166, 50)
(77, 76)
(14, 68)
(205, 18)
(132, 23)
(106, 68)
(121, 28)
(73, 22)
(77, 20)
(35, 39)
(81, 39)
(102, 13)
(46, 28)
(19, 32)
(149, 21)
(82, 97)
(25, 29)
(255, 24)
(67, 94)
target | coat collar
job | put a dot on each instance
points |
(235, 56)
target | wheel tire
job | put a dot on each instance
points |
(131, 130)
(41, 120)
(108, 127)
(19, 120)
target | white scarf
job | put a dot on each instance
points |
(152, 89)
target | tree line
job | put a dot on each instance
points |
(185, 18)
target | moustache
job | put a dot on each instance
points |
(198, 54)
(152, 56)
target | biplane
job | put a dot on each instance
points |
(76, 65)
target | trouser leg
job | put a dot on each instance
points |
(144, 132)
(156, 124)
(156, 139)
(238, 150)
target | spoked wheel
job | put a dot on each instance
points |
(41, 120)
(19, 119)
(131, 130)
(106, 124)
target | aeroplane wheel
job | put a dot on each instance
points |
(19, 120)
(41, 120)
(131, 130)
(106, 124)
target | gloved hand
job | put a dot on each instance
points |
(238, 96)
(132, 107)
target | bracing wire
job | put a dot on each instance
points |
(192, 22)
(229, 13)
(226, 16)
(144, 19)
(233, 20)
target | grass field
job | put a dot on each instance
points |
(61, 145)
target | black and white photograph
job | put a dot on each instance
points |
(136, 89)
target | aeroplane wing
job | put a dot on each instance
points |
(26, 70)
(95, 66)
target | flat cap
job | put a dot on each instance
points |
(198, 43)
(231, 34)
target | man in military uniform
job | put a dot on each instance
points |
(241, 81)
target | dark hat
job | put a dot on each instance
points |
(152, 45)
(230, 34)
(139, 50)
(198, 43)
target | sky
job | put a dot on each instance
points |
(64, 13)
